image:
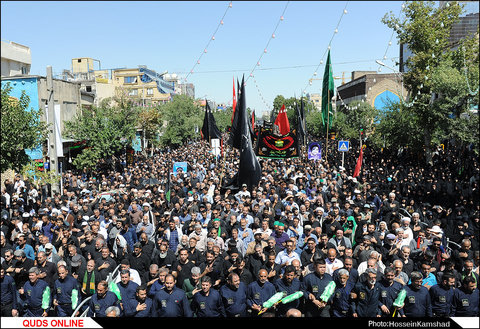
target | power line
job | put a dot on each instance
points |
(283, 67)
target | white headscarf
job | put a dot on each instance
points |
(121, 244)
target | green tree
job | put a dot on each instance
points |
(290, 106)
(21, 129)
(314, 123)
(434, 68)
(149, 119)
(399, 127)
(104, 130)
(348, 122)
(223, 118)
(184, 118)
(39, 177)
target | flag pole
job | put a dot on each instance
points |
(328, 119)
(223, 164)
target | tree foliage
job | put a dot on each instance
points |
(398, 127)
(434, 77)
(149, 120)
(21, 129)
(347, 123)
(184, 118)
(223, 118)
(290, 105)
(39, 177)
(104, 129)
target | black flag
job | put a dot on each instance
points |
(249, 170)
(238, 121)
(209, 128)
(235, 134)
(212, 125)
(204, 132)
(301, 131)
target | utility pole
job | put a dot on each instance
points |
(52, 141)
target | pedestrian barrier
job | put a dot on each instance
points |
(111, 277)
(79, 307)
(449, 249)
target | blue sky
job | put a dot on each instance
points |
(171, 36)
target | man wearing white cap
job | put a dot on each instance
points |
(319, 215)
(147, 210)
(68, 216)
(407, 231)
(44, 241)
(243, 192)
(436, 231)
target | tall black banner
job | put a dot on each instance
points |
(273, 146)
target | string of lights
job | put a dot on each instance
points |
(350, 108)
(344, 12)
(265, 50)
(390, 42)
(205, 50)
(399, 74)
(261, 95)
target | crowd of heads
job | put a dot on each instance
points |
(398, 220)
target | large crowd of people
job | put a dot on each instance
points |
(139, 240)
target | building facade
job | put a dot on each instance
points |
(16, 59)
(376, 89)
(146, 86)
(316, 100)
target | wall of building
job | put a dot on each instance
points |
(82, 65)
(376, 89)
(384, 87)
(316, 99)
(16, 59)
(130, 81)
(103, 90)
(66, 94)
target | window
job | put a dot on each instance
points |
(88, 88)
(150, 91)
(79, 61)
(133, 92)
(130, 79)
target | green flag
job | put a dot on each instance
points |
(328, 91)
(112, 286)
(46, 298)
(167, 190)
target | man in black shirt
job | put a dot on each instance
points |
(47, 269)
(105, 264)
(139, 260)
(182, 267)
(20, 268)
